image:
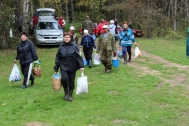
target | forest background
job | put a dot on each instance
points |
(156, 18)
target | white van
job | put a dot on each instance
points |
(47, 31)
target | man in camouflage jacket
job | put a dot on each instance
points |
(88, 25)
(106, 45)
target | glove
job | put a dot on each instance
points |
(114, 54)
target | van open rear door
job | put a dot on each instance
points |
(45, 12)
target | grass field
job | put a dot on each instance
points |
(152, 90)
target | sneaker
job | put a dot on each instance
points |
(24, 86)
(128, 60)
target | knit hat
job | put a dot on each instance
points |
(86, 31)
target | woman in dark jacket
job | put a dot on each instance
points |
(69, 61)
(88, 44)
(26, 53)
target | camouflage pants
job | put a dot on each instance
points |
(106, 59)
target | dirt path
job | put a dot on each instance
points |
(173, 80)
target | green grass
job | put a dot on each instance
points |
(122, 98)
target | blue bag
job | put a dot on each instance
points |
(56, 76)
(85, 62)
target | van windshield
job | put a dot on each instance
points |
(48, 25)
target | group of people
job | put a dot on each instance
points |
(68, 58)
(106, 42)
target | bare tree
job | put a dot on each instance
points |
(25, 15)
(72, 11)
(67, 15)
(187, 10)
(175, 16)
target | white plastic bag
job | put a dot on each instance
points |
(82, 84)
(137, 52)
(10, 32)
(97, 59)
(15, 74)
(29, 73)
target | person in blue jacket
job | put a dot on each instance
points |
(88, 44)
(127, 38)
(187, 44)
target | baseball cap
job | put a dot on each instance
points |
(105, 26)
(72, 28)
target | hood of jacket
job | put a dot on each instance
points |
(111, 26)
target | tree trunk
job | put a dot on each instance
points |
(175, 16)
(31, 5)
(92, 10)
(25, 15)
(67, 16)
(187, 10)
(72, 10)
(17, 9)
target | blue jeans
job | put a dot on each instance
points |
(126, 49)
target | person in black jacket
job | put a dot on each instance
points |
(69, 61)
(26, 53)
(88, 44)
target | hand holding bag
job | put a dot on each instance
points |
(15, 74)
(82, 84)
(137, 52)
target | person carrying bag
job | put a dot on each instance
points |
(26, 53)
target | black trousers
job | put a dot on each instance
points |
(88, 52)
(24, 70)
(68, 79)
(129, 50)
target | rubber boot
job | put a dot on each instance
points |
(125, 59)
(70, 95)
(129, 60)
(90, 63)
(66, 94)
(32, 81)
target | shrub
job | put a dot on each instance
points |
(171, 34)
